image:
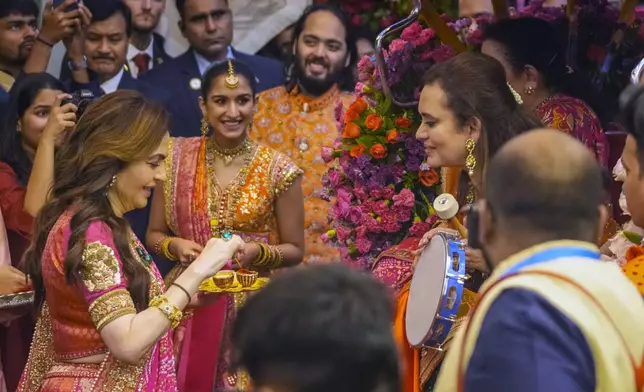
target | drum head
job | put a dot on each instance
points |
(426, 291)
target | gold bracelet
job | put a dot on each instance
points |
(278, 260)
(164, 246)
(264, 255)
(168, 309)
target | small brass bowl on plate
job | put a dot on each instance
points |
(224, 279)
(247, 278)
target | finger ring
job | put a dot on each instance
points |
(191, 255)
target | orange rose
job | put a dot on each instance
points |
(428, 177)
(357, 150)
(634, 252)
(359, 105)
(392, 136)
(351, 131)
(378, 151)
(351, 116)
(373, 122)
(403, 122)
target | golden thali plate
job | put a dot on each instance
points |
(16, 299)
(209, 286)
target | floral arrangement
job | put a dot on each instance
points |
(382, 189)
(379, 14)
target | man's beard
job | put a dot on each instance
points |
(315, 86)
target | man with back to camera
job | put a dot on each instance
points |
(324, 328)
(552, 317)
(97, 60)
(298, 118)
(208, 27)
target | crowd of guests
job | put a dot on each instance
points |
(135, 176)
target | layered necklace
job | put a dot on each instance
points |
(229, 154)
(222, 202)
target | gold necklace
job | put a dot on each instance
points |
(227, 155)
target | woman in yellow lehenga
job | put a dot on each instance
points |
(218, 186)
(468, 112)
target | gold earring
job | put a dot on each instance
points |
(470, 160)
(204, 127)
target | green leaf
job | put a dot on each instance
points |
(633, 237)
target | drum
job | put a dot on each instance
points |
(436, 292)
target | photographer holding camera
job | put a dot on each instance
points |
(33, 124)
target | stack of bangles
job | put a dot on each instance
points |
(269, 256)
(163, 248)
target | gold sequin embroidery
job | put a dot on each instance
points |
(111, 306)
(100, 269)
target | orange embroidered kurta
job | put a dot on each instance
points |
(299, 127)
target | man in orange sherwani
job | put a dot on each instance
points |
(298, 118)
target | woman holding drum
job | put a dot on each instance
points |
(468, 112)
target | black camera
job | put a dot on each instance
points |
(81, 99)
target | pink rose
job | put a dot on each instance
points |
(342, 233)
(355, 215)
(360, 87)
(325, 238)
(344, 195)
(335, 178)
(405, 198)
(327, 154)
(361, 193)
(341, 209)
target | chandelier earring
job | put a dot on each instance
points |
(204, 127)
(470, 160)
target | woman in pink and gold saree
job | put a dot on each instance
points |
(105, 311)
(218, 186)
(468, 112)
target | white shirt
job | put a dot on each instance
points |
(203, 64)
(111, 85)
(132, 51)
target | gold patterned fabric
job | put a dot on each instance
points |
(111, 306)
(299, 127)
(99, 269)
(74, 313)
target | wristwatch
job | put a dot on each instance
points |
(78, 65)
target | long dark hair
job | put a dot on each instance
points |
(536, 42)
(475, 86)
(119, 129)
(347, 80)
(22, 95)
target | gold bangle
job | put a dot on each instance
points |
(164, 245)
(263, 257)
(279, 259)
(168, 309)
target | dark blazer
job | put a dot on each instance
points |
(175, 77)
(158, 52)
(138, 218)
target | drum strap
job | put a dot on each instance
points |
(638, 370)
